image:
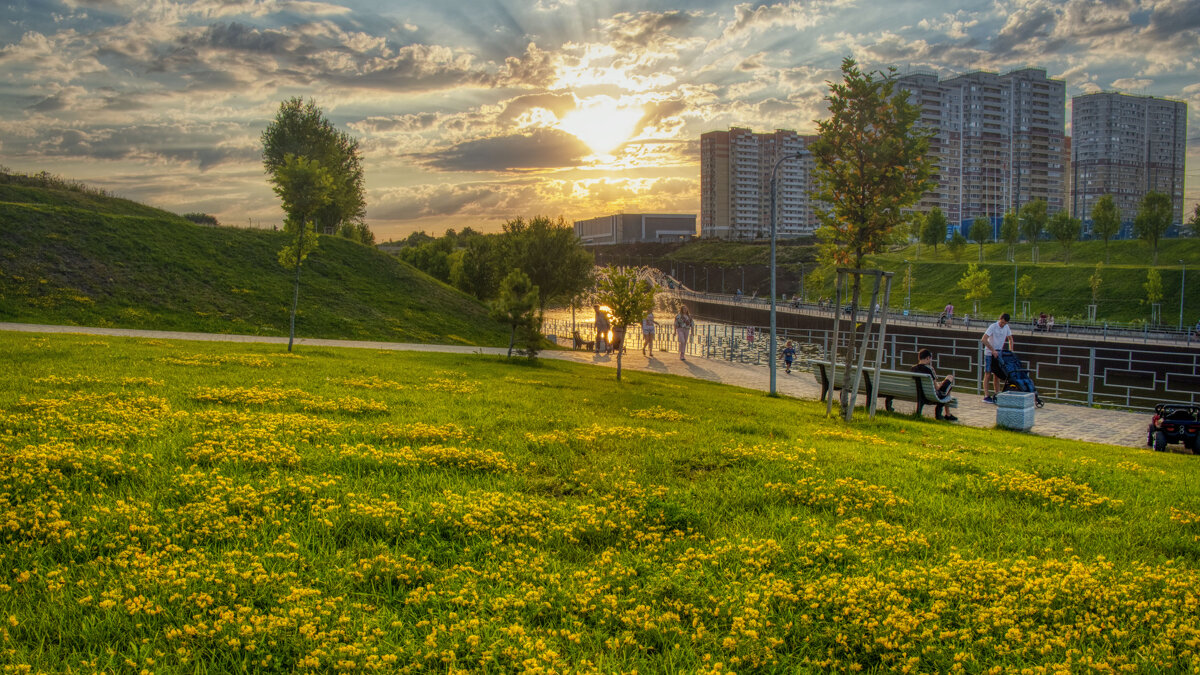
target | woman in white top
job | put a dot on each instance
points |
(648, 333)
(683, 329)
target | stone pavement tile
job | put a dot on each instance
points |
(1111, 427)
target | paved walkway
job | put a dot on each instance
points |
(1112, 427)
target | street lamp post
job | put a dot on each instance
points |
(774, 218)
(908, 286)
(1182, 288)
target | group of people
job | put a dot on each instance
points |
(1045, 323)
(683, 331)
(995, 338)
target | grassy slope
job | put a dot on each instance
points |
(79, 259)
(521, 517)
(1062, 290)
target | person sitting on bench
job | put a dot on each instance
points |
(925, 365)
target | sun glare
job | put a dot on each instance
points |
(602, 123)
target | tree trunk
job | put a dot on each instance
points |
(295, 303)
(512, 337)
(619, 338)
(852, 345)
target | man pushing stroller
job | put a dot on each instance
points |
(993, 341)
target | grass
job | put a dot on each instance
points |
(196, 507)
(77, 258)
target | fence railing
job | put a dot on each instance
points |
(1100, 374)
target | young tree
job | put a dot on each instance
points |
(1026, 287)
(1194, 221)
(871, 163)
(1154, 291)
(1066, 230)
(956, 245)
(305, 188)
(977, 283)
(1106, 221)
(933, 231)
(1033, 221)
(516, 306)
(1010, 232)
(1153, 219)
(551, 255)
(301, 129)
(981, 233)
(629, 300)
(1094, 281)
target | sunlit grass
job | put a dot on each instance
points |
(195, 507)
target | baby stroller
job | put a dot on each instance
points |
(1016, 377)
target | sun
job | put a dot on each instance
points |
(602, 123)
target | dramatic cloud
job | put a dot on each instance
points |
(542, 149)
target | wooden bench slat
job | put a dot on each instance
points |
(919, 388)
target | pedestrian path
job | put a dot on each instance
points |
(1111, 427)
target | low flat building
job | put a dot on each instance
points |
(625, 228)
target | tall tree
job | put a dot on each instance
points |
(977, 283)
(1066, 230)
(871, 163)
(516, 307)
(628, 298)
(1010, 232)
(1153, 219)
(956, 245)
(1033, 221)
(1106, 221)
(933, 231)
(301, 129)
(551, 254)
(305, 188)
(981, 232)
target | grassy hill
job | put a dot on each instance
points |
(214, 508)
(1060, 289)
(74, 257)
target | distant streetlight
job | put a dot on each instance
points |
(1182, 288)
(774, 218)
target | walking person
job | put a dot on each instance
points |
(601, 331)
(789, 355)
(648, 333)
(993, 341)
(683, 329)
(925, 365)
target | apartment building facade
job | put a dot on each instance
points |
(1126, 146)
(998, 142)
(735, 184)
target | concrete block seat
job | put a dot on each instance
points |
(891, 384)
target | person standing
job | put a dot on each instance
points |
(925, 365)
(601, 331)
(648, 333)
(789, 355)
(993, 341)
(950, 313)
(683, 329)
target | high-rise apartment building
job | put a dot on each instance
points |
(1127, 146)
(998, 141)
(735, 184)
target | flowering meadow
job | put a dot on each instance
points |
(183, 507)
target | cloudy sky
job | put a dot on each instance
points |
(470, 112)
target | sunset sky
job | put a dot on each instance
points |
(471, 112)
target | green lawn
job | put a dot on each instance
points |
(197, 507)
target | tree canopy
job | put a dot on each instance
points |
(551, 254)
(933, 232)
(301, 129)
(628, 298)
(1066, 230)
(304, 187)
(1010, 231)
(1106, 220)
(515, 306)
(1033, 222)
(977, 283)
(981, 232)
(1153, 219)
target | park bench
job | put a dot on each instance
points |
(891, 384)
(580, 343)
